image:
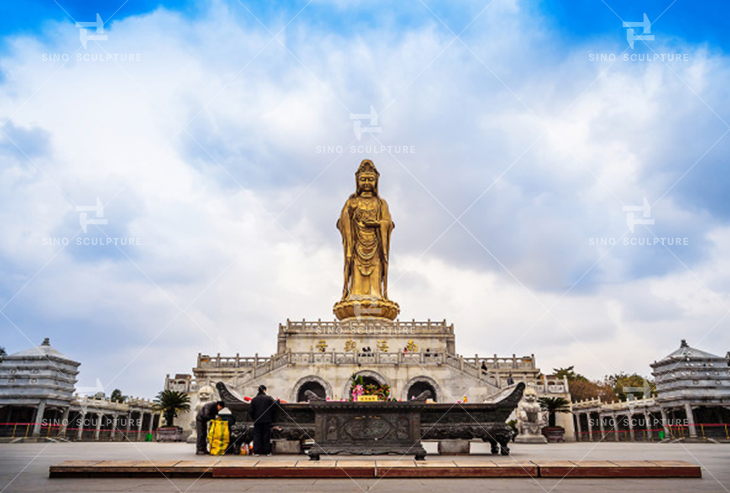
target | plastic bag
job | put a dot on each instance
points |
(218, 436)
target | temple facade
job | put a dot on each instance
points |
(409, 357)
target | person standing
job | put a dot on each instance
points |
(262, 410)
(206, 413)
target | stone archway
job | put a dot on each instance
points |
(416, 385)
(314, 383)
(368, 376)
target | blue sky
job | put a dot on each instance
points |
(213, 132)
(693, 21)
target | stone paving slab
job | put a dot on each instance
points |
(358, 468)
(618, 469)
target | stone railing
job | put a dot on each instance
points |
(587, 404)
(552, 385)
(498, 368)
(509, 363)
(597, 406)
(131, 404)
(402, 327)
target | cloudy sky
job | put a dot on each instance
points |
(218, 137)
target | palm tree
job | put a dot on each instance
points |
(170, 403)
(554, 405)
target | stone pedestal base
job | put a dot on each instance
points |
(356, 309)
(454, 447)
(530, 439)
(286, 447)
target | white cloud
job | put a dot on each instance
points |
(204, 210)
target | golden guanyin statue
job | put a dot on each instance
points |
(365, 225)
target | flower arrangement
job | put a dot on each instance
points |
(358, 387)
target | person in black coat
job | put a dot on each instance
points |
(206, 413)
(262, 410)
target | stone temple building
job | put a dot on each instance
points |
(37, 401)
(365, 338)
(692, 401)
(409, 356)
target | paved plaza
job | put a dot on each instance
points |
(24, 468)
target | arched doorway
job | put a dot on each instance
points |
(311, 382)
(419, 387)
(315, 387)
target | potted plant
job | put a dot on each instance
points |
(170, 403)
(554, 405)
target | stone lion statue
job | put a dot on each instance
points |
(206, 394)
(530, 417)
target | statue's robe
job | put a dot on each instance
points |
(366, 247)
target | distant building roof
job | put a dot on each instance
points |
(44, 350)
(686, 352)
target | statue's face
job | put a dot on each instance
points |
(204, 395)
(366, 182)
(530, 398)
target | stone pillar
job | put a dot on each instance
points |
(667, 431)
(114, 427)
(580, 430)
(64, 422)
(630, 417)
(614, 417)
(648, 426)
(80, 431)
(690, 420)
(590, 427)
(152, 422)
(601, 427)
(39, 412)
(97, 432)
(139, 426)
(128, 428)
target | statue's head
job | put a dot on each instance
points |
(530, 395)
(366, 178)
(205, 393)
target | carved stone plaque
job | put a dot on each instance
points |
(367, 428)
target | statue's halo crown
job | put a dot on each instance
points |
(367, 166)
